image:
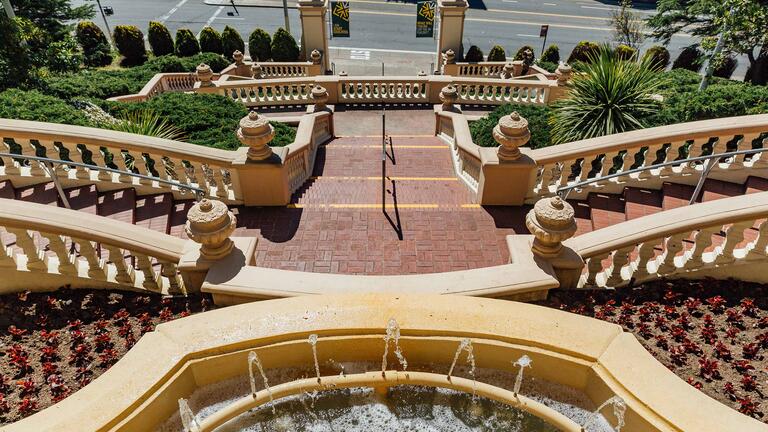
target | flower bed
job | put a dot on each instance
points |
(713, 334)
(56, 343)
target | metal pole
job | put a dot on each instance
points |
(708, 165)
(285, 15)
(543, 45)
(103, 16)
(383, 161)
(51, 172)
(234, 7)
(8, 9)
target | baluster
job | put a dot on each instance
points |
(701, 242)
(10, 166)
(80, 172)
(745, 144)
(118, 158)
(620, 259)
(218, 180)
(140, 164)
(7, 257)
(52, 152)
(145, 266)
(57, 244)
(734, 235)
(170, 271)
(27, 244)
(95, 264)
(672, 245)
(697, 147)
(645, 255)
(760, 160)
(567, 171)
(650, 158)
(757, 247)
(97, 159)
(670, 154)
(29, 149)
(595, 268)
(547, 175)
(125, 274)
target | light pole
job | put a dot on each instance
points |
(285, 15)
(8, 9)
(109, 32)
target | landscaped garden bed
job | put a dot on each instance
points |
(712, 334)
(56, 343)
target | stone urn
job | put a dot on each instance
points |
(204, 75)
(319, 96)
(256, 132)
(551, 221)
(210, 223)
(449, 95)
(564, 73)
(511, 132)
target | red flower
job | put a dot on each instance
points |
(693, 305)
(694, 383)
(747, 407)
(722, 351)
(49, 353)
(4, 408)
(50, 368)
(729, 390)
(748, 307)
(734, 317)
(743, 366)
(678, 356)
(750, 350)
(27, 406)
(16, 333)
(748, 382)
(708, 369)
(661, 342)
(716, 304)
(26, 387)
(166, 314)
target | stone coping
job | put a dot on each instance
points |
(141, 390)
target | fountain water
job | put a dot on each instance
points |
(523, 362)
(338, 365)
(393, 334)
(188, 421)
(619, 411)
(253, 358)
(313, 342)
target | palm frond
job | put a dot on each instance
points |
(145, 122)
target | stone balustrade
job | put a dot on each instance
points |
(164, 83)
(494, 69)
(45, 247)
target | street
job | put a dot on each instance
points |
(384, 31)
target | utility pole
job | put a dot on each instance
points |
(718, 49)
(285, 15)
(8, 9)
(109, 32)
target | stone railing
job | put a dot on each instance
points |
(163, 83)
(722, 239)
(300, 160)
(273, 69)
(45, 247)
(561, 165)
(495, 70)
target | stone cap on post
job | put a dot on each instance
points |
(210, 223)
(508, 71)
(241, 69)
(552, 222)
(315, 57)
(256, 71)
(238, 57)
(511, 133)
(448, 96)
(564, 73)
(449, 57)
(204, 75)
(319, 96)
(256, 132)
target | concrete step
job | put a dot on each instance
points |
(676, 195)
(756, 184)
(718, 189)
(582, 214)
(41, 194)
(7, 190)
(607, 209)
(83, 198)
(154, 212)
(118, 204)
(642, 202)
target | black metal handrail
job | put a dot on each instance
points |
(708, 165)
(49, 164)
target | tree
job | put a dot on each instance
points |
(231, 42)
(745, 23)
(497, 54)
(51, 15)
(259, 45)
(210, 41)
(160, 39)
(129, 41)
(96, 50)
(628, 27)
(14, 57)
(186, 43)
(284, 47)
(474, 55)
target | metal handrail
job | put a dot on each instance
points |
(49, 163)
(564, 191)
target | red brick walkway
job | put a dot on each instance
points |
(337, 224)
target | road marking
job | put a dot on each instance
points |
(230, 18)
(509, 1)
(165, 17)
(549, 4)
(554, 15)
(210, 20)
(528, 35)
(599, 7)
(384, 50)
(360, 55)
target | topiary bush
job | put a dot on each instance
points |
(474, 55)
(259, 45)
(583, 51)
(186, 44)
(63, 55)
(284, 47)
(36, 106)
(210, 41)
(690, 58)
(522, 54)
(625, 52)
(497, 54)
(658, 56)
(96, 50)
(160, 39)
(725, 67)
(233, 42)
(551, 55)
(537, 116)
(129, 41)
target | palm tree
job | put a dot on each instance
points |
(611, 95)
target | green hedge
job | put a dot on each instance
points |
(186, 44)
(284, 47)
(582, 52)
(551, 55)
(497, 54)
(474, 55)
(233, 42)
(537, 117)
(96, 50)
(206, 119)
(160, 39)
(129, 41)
(36, 106)
(259, 45)
(210, 41)
(658, 56)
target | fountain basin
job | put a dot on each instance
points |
(141, 391)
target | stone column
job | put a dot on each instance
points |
(256, 132)
(210, 223)
(314, 32)
(448, 96)
(319, 97)
(451, 31)
(552, 221)
(241, 69)
(511, 133)
(204, 75)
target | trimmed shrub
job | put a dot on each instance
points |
(233, 42)
(186, 44)
(63, 55)
(658, 57)
(723, 98)
(284, 47)
(522, 54)
(35, 106)
(537, 116)
(259, 45)
(474, 55)
(96, 50)
(725, 67)
(129, 41)
(497, 54)
(210, 41)
(583, 51)
(551, 55)
(691, 58)
(549, 67)
(206, 119)
(625, 52)
(160, 39)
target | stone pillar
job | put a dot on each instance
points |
(314, 32)
(204, 75)
(451, 31)
(511, 133)
(210, 223)
(552, 221)
(564, 74)
(319, 97)
(448, 96)
(449, 63)
(256, 132)
(241, 69)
